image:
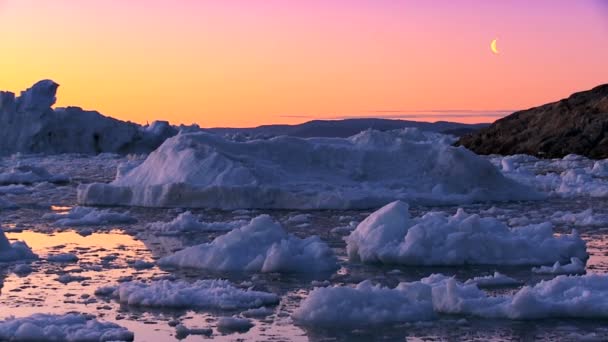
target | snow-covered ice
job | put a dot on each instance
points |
(188, 222)
(390, 235)
(367, 304)
(88, 216)
(576, 266)
(234, 324)
(364, 171)
(208, 293)
(260, 246)
(496, 279)
(69, 328)
(62, 257)
(29, 174)
(15, 251)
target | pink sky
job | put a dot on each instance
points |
(243, 63)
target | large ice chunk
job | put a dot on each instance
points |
(260, 246)
(208, 294)
(390, 235)
(367, 170)
(70, 328)
(15, 251)
(365, 304)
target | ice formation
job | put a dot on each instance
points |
(28, 124)
(28, 174)
(260, 246)
(70, 328)
(494, 280)
(364, 171)
(87, 216)
(576, 266)
(187, 222)
(62, 257)
(15, 251)
(234, 324)
(571, 176)
(390, 235)
(209, 294)
(367, 304)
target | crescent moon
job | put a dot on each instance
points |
(493, 46)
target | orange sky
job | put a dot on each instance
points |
(251, 62)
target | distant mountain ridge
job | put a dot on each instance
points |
(577, 124)
(348, 127)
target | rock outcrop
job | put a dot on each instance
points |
(28, 124)
(577, 125)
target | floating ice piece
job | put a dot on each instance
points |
(367, 170)
(563, 296)
(210, 294)
(585, 218)
(260, 246)
(576, 266)
(142, 264)
(297, 219)
(63, 257)
(391, 236)
(258, 312)
(495, 280)
(15, 251)
(70, 328)
(69, 278)
(187, 222)
(366, 304)
(234, 323)
(87, 216)
(28, 174)
(181, 331)
(22, 269)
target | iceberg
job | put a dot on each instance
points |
(28, 124)
(367, 170)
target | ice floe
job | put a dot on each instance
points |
(15, 251)
(391, 236)
(364, 171)
(260, 246)
(208, 294)
(69, 327)
(571, 176)
(228, 324)
(367, 304)
(29, 174)
(495, 280)
(576, 266)
(188, 222)
(87, 216)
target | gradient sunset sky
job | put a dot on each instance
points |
(249, 62)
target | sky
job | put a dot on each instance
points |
(249, 62)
